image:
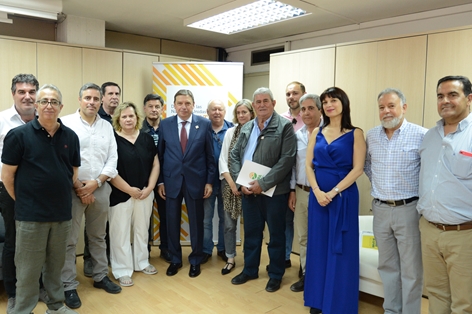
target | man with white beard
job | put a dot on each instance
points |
(393, 166)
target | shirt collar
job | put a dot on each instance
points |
(463, 124)
(189, 120)
(266, 123)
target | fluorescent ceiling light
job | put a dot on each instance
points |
(46, 9)
(249, 16)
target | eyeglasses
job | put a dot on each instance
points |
(45, 102)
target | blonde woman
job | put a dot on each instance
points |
(132, 195)
(243, 112)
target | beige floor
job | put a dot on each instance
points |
(209, 293)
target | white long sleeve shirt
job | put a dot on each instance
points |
(98, 151)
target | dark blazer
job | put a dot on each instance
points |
(197, 165)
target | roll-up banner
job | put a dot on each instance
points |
(207, 81)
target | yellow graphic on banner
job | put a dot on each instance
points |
(177, 74)
(157, 223)
(211, 79)
(231, 100)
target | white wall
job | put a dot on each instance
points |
(414, 24)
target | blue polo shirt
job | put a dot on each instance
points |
(43, 180)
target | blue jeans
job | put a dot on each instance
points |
(40, 247)
(288, 233)
(257, 210)
(209, 207)
(7, 207)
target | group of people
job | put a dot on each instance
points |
(421, 187)
(109, 162)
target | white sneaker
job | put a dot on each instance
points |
(63, 310)
(11, 305)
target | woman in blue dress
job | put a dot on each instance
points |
(335, 159)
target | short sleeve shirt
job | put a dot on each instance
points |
(43, 180)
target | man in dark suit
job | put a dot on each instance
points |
(188, 166)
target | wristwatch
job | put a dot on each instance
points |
(99, 182)
(336, 189)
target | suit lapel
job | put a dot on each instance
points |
(175, 137)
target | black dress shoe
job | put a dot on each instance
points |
(222, 254)
(194, 270)
(299, 286)
(173, 269)
(107, 285)
(273, 285)
(72, 299)
(315, 310)
(165, 255)
(288, 263)
(206, 257)
(242, 278)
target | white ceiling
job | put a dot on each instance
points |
(165, 19)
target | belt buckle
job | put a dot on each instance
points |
(391, 203)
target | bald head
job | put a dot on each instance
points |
(216, 111)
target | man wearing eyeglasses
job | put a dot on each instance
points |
(23, 88)
(40, 164)
(91, 194)
(216, 111)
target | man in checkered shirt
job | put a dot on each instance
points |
(393, 166)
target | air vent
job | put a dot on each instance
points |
(263, 56)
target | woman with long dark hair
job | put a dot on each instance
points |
(335, 159)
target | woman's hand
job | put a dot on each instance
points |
(135, 192)
(145, 192)
(233, 187)
(322, 197)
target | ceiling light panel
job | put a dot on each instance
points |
(249, 16)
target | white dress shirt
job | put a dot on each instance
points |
(298, 170)
(98, 152)
(187, 126)
(9, 119)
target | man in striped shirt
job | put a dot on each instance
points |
(393, 166)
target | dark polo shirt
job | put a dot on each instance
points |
(103, 114)
(43, 180)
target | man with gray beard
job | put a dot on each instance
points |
(393, 166)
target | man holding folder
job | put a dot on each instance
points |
(268, 140)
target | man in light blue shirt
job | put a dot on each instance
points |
(446, 200)
(275, 147)
(393, 166)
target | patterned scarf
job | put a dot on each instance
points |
(231, 202)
